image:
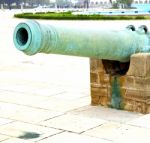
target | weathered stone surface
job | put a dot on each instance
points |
(94, 78)
(129, 82)
(4, 121)
(107, 114)
(139, 65)
(132, 94)
(134, 86)
(99, 91)
(99, 96)
(3, 137)
(104, 79)
(96, 65)
(142, 83)
(143, 121)
(108, 131)
(27, 131)
(73, 123)
(15, 140)
(71, 137)
(94, 100)
(95, 85)
(137, 83)
(62, 105)
(135, 106)
(133, 134)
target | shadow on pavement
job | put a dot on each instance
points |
(29, 135)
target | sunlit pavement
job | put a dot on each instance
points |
(46, 98)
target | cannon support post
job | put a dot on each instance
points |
(128, 92)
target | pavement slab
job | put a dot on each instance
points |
(4, 121)
(3, 137)
(26, 113)
(108, 114)
(27, 131)
(66, 137)
(107, 131)
(120, 133)
(143, 121)
(30, 87)
(133, 134)
(15, 140)
(21, 98)
(73, 123)
(62, 105)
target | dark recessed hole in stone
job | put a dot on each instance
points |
(22, 36)
(115, 68)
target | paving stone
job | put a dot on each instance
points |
(69, 96)
(13, 86)
(4, 121)
(15, 140)
(27, 88)
(26, 114)
(120, 133)
(35, 115)
(73, 123)
(21, 98)
(49, 91)
(63, 105)
(71, 137)
(108, 114)
(108, 131)
(143, 121)
(27, 131)
(7, 110)
(3, 137)
(133, 134)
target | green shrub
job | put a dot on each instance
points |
(140, 17)
(69, 16)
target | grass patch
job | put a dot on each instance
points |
(69, 16)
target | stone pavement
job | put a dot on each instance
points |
(46, 99)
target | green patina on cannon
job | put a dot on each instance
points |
(113, 47)
(32, 37)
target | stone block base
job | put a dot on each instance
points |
(128, 92)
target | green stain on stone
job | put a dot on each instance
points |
(29, 135)
(116, 98)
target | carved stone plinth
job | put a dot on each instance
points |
(129, 92)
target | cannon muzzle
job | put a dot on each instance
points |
(31, 37)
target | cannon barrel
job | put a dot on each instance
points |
(31, 37)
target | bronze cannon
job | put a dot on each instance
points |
(112, 47)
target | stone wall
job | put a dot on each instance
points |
(129, 92)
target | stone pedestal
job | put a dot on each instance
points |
(129, 92)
